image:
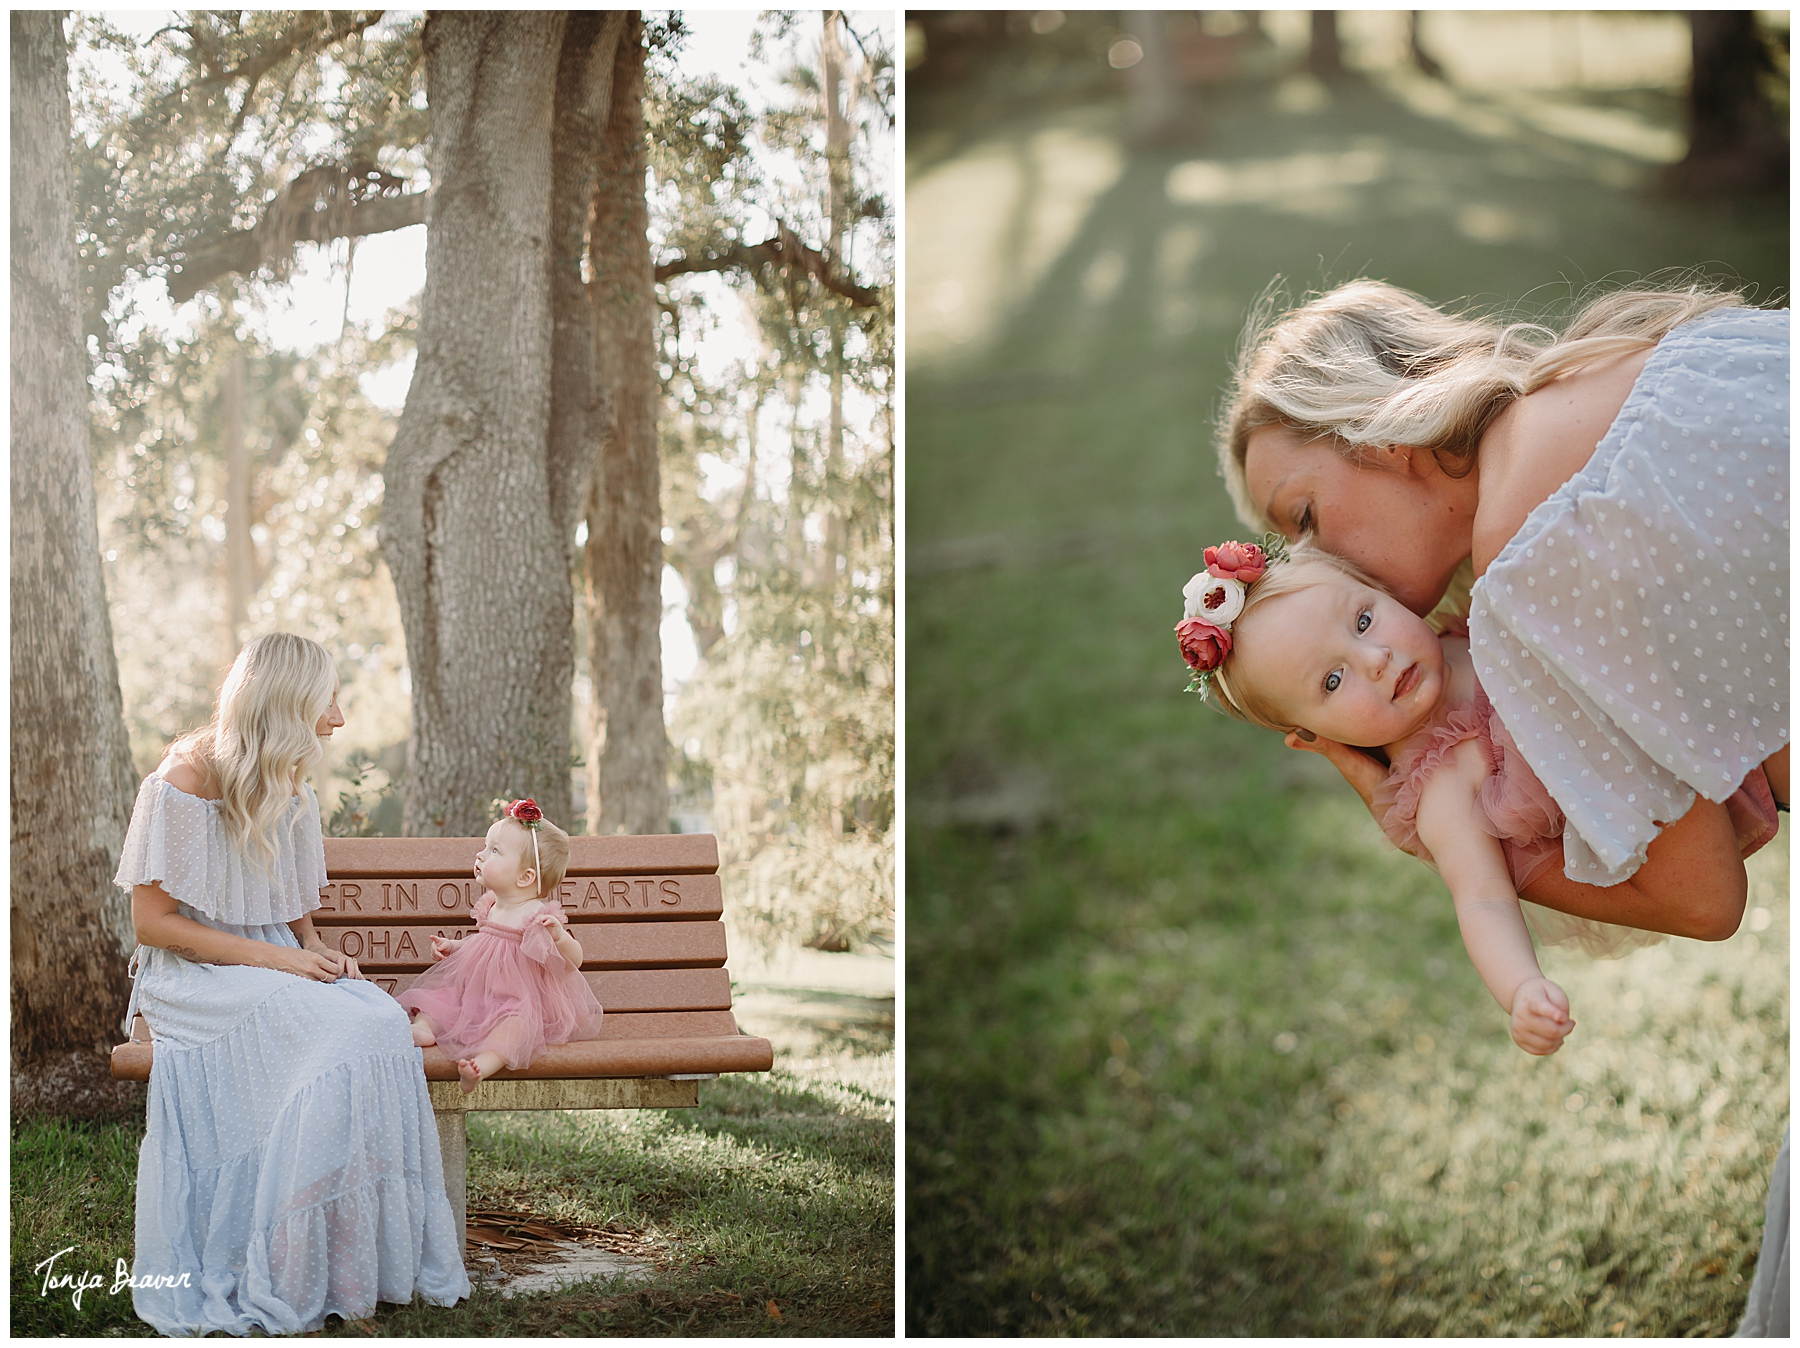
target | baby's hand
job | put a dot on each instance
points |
(546, 920)
(1540, 1016)
(441, 946)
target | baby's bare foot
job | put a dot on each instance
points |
(470, 1072)
(422, 1036)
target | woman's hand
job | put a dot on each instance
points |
(344, 964)
(322, 967)
(1362, 772)
(1540, 1016)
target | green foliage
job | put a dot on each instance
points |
(790, 583)
(219, 113)
(224, 110)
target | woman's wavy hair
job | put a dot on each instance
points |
(262, 740)
(1305, 566)
(1371, 365)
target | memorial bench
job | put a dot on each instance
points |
(647, 911)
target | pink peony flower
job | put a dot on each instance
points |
(1243, 562)
(1203, 646)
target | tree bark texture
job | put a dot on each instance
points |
(584, 86)
(72, 777)
(628, 756)
(468, 531)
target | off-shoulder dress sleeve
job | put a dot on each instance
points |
(179, 841)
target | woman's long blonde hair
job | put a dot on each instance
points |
(262, 740)
(1372, 365)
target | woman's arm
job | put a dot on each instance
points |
(1487, 910)
(1691, 883)
(157, 923)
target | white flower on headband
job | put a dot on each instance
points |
(1214, 599)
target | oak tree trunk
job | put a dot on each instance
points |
(468, 525)
(72, 776)
(628, 753)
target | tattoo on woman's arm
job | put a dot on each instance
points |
(186, 952)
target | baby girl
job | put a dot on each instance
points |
(497, 997)
(1298, 639)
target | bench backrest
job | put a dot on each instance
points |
(646, 910)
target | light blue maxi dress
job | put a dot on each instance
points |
(290, 1165)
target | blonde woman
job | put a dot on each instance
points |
(290, 1166)
(1619, 492)
(1620, 489)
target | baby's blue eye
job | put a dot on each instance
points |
(1363, 620)
(1332, 680)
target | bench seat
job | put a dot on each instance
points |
(646, 911)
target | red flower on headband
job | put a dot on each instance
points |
(1243, 562)
(1203, 646)
(525, 811)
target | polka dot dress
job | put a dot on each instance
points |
(1633, 636)
(290, 1165)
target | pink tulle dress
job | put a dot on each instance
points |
(507, 989)
(1514, 807)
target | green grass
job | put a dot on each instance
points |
(779, 1188)
(1189, 1049)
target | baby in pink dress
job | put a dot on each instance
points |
(497, 997)
(1305, 641)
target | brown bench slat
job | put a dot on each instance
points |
(631, 989)
(637, 945)
(414, 896)
(628, 1058)
(650, 1056)
(647, 854)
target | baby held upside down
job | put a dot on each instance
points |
(1296, 638)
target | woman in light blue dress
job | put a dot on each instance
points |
(1619, 492)
(290, 1167)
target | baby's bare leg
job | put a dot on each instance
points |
(474, 1071)
(424, 1032)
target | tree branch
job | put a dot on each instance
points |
(242, 249)
(784, 250)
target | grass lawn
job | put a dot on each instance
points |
(1189, 1049)
(778, 1191)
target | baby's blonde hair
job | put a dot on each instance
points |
(551, 857)
(1306, 565)
(263, 740)
(1371, 365)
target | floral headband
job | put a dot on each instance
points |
(526, 812)
(1215, 597)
